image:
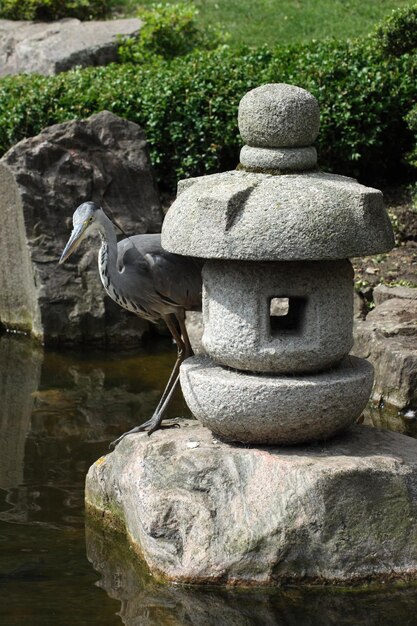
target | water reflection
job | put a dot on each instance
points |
(146, 603)
(389, 418)
(58, 413)
(20, 370)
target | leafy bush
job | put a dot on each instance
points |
(411, 120)
(188, 104)
(48, 10)
(398, 33)
(169, 30)
(363, 100)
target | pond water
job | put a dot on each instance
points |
(58, 413)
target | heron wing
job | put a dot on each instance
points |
(132, 251)
(176, 279)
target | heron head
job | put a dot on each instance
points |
(84, 224)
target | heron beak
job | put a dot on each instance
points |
(73, 242)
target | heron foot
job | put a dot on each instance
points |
(150, 426)
(155, 423)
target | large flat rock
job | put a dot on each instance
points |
(53, 47)
(201, 511)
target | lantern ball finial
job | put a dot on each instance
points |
(279, 116)
(279, 123)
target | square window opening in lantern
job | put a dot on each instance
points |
(286, 315)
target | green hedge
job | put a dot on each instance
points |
(398, 33)
(411, 120)
(188, 105)
(48, 10)
(168, 31)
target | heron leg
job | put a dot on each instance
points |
(188, 351)
(155, 422)
(152, 424)
(184, 348)
(184, 351)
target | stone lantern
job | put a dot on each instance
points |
(277, 308)
(277, 234)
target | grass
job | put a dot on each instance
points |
(284, 21)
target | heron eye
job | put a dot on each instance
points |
(90, 219)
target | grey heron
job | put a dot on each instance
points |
(145, 279)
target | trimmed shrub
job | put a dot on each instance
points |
(411, 120)
(363, 100)
(398, 33)
(48, 10)
(169, 30)
(188, 105)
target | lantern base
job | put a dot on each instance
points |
(265, 409)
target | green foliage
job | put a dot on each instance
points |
(48, 10)
(188, 104)
(169, 31)
(411, 119)
(363, 99)
(398, 34)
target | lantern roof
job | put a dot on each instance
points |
(278, 206)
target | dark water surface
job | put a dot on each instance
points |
(58, 413)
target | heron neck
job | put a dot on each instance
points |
(108, 251)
